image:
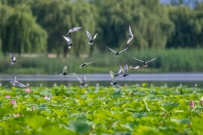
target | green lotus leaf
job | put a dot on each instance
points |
(79, 126)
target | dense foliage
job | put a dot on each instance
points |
(101, 110)
(28, 26)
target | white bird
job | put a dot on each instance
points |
(113, 81)
(117, 73)
(130, 35)
(71, 31)
(65, 72)
(85, 64)
(82, 81)
(145, 62)
(69, 41)
(117, 53)
(13, 58)
(91, 40)
(133, 68)
(125, 71)
(14, 82)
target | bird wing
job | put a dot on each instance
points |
(151, 60)
(89, 35)
(66, 38)
(126, 68)
(64, 69)
(14, 79)
(134, 67)
(122, 69)
(84, 79)
(79, 79)
(95, 36)
(11, 55)
(90, 62)
(111, 49)
(129, 40)
(123, 50)
(71, 30)
(138, 59)
(119, 71)
(20, 85)
(130, 31)
(112, 76)
(77, 28)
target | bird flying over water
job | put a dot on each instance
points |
(91, 40)
(71, 31)
(14, 82)
(13, 58)
(145, 62)
(125, 71)
(69, 41)
(117, 53)
(87, 63)
(117, 73)
(113, 81)
(65, 72)
(82, 81)
(130, 35)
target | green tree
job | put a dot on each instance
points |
(188, 27)
(21, 33)
(57, 17)
(148, 19)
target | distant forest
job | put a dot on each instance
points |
(37, 26)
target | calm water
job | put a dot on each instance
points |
(106, 83)
(171, 79)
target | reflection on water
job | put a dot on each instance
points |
(106, 83)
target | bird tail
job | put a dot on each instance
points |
(69, 47)
(90, 43)
(12, 63)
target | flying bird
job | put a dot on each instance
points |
(13, 58)
(14, 82)
(133, 68)
(125, 71)
(64, 73)
(145, 62)
(71, 31)
(130, 35)
(85, 64)
(91, 40)
(69, 41)
(117, 73)
(82, 81)
(113, 81)
(117, 53)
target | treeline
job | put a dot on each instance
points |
(36, 26)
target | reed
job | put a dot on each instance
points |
(169, 60)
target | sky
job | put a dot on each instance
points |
(165, 1)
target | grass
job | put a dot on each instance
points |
(171, 60)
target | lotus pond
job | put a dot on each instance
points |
(130, 110)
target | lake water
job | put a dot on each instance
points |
(160, 79)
